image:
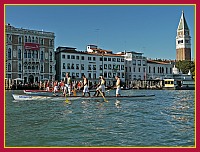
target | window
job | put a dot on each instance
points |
(89, 67)
(149, 69)
(9, 53)
(94, 58)
(105, 66)
(36, 39)
(41, 69)
(139, 62)
(100, 67)
(129, 69)
(20, 40)
(118, 59)
(63, 74)
(68, 56)
(82, 58)
(122, 60)
(72, 57)
(19, 54)
(77, 66)
(109, 59)
(77, 75)
(89, 58)
(51, 56)
(51, 68)
(29, 54)
(20, 67)
(134, 62)
(105, 74)
(63, 65)
(26, 40)
(94, 67)
(105, 59)
(109, 75)
(154, 70)
(9, 67)
(77, 57)
(42, 55)
(166, 70)
(101, 59)
(143, 62)
(63, 56)
(72, 67)
(82, 66)
(138, 69)
(68, 65)
(109, 66)
(33, 40)
(122, 67)
(89, 75)
(42, 41)
(29, 39)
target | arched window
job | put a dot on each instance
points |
(50, 56)
(166, 70)
(9, 67)
(50, 68)
(42, 55)
(154, 70)
(149, 69)
(9, 53)
(41, 68)
(33, 40)
(20, 67)
(25, 54)
(26, 40)
(19, 54)
(20, 40)
(158, 70)
(29, 39)
(36, 39)
(29, 54)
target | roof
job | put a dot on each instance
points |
(182, 23)
(157, 62)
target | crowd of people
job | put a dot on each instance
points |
(69, 87)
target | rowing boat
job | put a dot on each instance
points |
(57, 97)
(36, 91)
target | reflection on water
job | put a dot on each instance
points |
(167, 120)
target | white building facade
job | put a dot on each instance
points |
(92, 64)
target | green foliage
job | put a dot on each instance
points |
(185, 66)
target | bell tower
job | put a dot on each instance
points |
(183, 40)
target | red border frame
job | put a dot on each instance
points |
(2, 148)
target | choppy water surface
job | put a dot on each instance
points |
(167, 120)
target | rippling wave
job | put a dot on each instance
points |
(167, 120)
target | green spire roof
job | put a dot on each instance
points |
(183, 24)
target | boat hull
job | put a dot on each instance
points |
(43, 97)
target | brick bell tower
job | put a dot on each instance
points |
(183, 40)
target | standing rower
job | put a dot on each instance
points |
(118, 89)
(101, 86)
(85, 85)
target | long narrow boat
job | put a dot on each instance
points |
(36, 91)
(44, 97)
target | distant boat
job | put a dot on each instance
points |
(179, 84)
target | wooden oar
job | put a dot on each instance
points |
(103, 96)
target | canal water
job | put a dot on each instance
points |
(166, 121)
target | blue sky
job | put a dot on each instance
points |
(147, 29)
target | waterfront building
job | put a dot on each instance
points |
(29, 54)
(135, 66)
(158, 70)
(92, 63)
(183, 40)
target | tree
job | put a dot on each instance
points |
(185, 66)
